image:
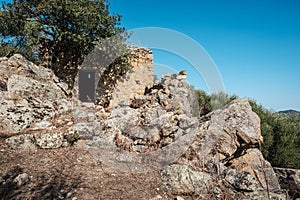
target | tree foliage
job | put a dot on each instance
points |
(56, 33)
(208, 103)
(204, 102)
(281, 135)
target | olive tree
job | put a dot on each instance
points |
(58, 34)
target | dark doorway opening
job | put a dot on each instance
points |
(87, 86)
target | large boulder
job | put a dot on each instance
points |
(227, 145)
(254, 163)
(227, 133)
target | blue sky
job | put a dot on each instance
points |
(254, 44)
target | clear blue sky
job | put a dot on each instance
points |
(255, 44)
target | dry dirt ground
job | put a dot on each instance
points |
(70, 173)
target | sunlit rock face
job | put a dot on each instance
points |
(227, 145)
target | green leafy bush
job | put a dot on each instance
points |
(281, 135)
(208, 103)
(58, 34)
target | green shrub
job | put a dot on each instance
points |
(281, 135)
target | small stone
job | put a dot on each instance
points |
(183, 72)
(65, 144)
(45, 160)
(157, 197)
(88, 105)
(25, 141)
(179, 198)
(21, 179)
(2, 181)
(49, 140)
(69, 194)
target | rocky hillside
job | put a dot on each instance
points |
(151, 146)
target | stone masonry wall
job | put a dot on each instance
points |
(134, 82)
(140, 77)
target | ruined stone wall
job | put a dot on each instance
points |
(137, 79)
(134, 82)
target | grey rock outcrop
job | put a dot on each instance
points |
(179, 179)
(24, 141)
(43, 139)
(29, 94)
(289, 179)
(34, 106)
(254, 163)
(242, 181)
(227, 145)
